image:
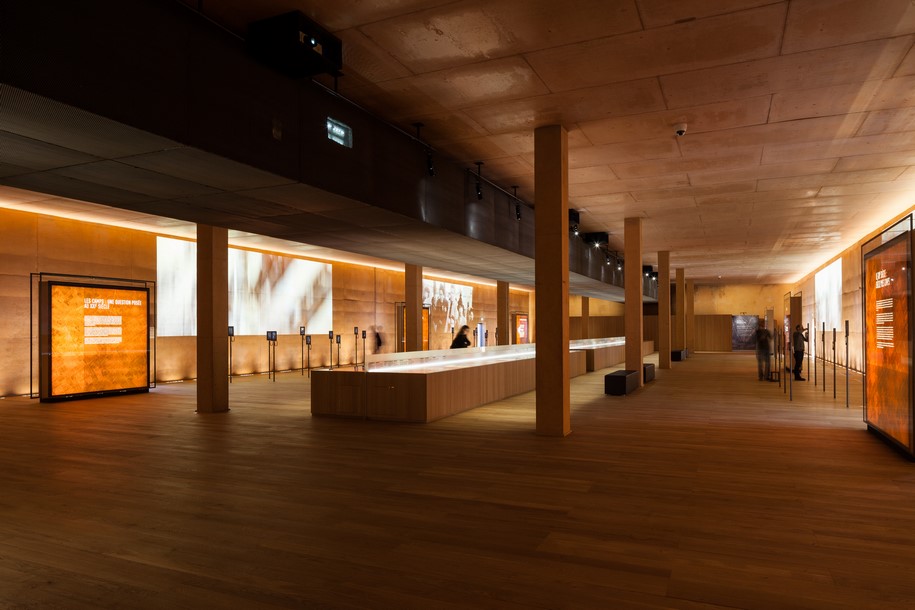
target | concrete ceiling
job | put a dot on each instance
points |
(801, 114)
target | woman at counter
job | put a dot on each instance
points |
(461, 340)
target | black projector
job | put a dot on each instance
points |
(295, 45)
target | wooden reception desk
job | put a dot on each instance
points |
(426, 386)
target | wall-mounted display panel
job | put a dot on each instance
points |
(828, 304)
(743, 332)
(96, 338)
(828, 286)
(450, 305)
(266, 291)
(888, 345)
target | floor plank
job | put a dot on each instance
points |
(704, 489)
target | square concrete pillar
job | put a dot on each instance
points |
(664, 344)
(212, 319)
(632, 238)
(503, 317)
(413, 296)
(551, 209)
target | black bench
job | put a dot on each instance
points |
(678, 354)
(622, 382)
(648, 371)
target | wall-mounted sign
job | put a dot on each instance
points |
(888, 349)
(98, 339)
(338, 132)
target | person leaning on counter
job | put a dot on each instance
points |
(461, 340)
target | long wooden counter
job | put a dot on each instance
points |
(604, 353)
(426, 386)
(418, 392)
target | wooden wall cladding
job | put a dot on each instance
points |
(650, 328)
(364, 298)
(713, 333)
(608, 326)
(34, 243)
(612, 326)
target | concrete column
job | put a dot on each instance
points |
(503, 317)
(212, 319)
(690, 316)
(413, 296)
(632, 238)
(585, 318)
(551, 259)
(679, 334)
(664, 348)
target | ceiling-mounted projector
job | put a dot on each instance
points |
(295, 45)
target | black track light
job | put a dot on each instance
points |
(517, 202)
(479, 165)
(574, 218)
(430, 166)
(597, 239)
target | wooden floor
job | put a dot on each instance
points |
(705, 489)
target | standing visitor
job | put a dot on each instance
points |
(798, 339)
(763, 339)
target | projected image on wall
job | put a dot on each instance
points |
(887, 346)
(99, 339)
(266, 292)
(176, 287)
(450, 305)
(828, 286)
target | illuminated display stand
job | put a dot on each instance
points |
(887, 270)
(94, 336)
(426, 386)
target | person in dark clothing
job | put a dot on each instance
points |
(763, 365)
(798, 339)
(378, 341)
(461, 339)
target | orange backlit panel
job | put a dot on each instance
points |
(99, 339)
(887, 341)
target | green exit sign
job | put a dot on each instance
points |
(338, 132)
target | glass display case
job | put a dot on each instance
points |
(428, 385)
(444, 359)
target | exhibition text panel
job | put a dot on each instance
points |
(99, 339)
(887, 338)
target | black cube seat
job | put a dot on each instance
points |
(622, 382)
(648, 371)
(678, 354)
